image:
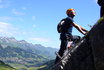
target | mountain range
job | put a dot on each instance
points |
(21, 54)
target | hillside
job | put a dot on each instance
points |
(4, 66)
(47, 65)
(19, 57)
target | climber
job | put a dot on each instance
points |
(101, 3)
(67, 25)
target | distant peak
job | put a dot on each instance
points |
(12, 38)
(23, 41)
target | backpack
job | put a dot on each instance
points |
(59, 26)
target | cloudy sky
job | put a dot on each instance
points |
(36, 20)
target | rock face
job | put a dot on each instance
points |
(96, 37)
(89, 55)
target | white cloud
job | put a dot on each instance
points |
(4, 3)
(24, 8)
(18, 13)
(5, 18)
(34, 25)
(4, 25)
(2, 6)
(40, 39)
(7, 29)
(33, 17)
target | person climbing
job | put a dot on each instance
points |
(67, 25)
(101, 3)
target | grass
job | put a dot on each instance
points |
(101, 19)
(5, 67)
